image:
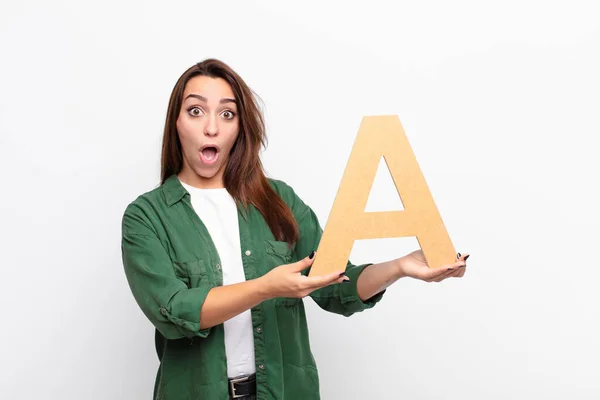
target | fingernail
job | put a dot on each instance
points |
(312, 255)
(461, 266)
(342, 274)
(467, 257)
(457, 255)
(347, 280)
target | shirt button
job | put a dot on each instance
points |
(219, 266)
(258, 330)
(248, 252)
(261, 366)
(163, 311)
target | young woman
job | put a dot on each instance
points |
(217, 255)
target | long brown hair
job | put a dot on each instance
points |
(244, 176)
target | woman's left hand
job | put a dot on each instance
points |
(415, 266)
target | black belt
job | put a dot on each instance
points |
(242, 386)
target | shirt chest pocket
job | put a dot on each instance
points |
(193, 273)
(278, 253)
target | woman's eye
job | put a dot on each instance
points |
(195, 112)
(227, 114)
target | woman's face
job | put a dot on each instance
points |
(208, 125)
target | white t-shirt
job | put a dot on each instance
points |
(218, 211)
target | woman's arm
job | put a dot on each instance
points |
(378, 277)
(367, 281)
(178, 311)
(225, 302)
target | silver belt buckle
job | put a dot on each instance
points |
(232, 383)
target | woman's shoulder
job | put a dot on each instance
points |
(145, 199)
(160, 197)
(147, 209)
(288, 195)
(283, 189)
(279, 185)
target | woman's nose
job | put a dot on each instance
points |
(211, 127)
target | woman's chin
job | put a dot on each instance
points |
(207, 173)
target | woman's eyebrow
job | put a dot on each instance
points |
(202, 98)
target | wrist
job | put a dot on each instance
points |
(263, 288)
(400, 267)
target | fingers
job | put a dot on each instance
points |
(432, 274)
(463, 268)
(303, 264)
(456, 270)
(316, 282)
(450, 272)
(435, 274)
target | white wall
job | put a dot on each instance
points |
(499, 100)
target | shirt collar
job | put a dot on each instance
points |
(173, 190)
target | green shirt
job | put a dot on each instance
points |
(171, 264)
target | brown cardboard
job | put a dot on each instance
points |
(382, 136)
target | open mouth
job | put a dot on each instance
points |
(209, 154)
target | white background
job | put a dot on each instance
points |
(499, 100)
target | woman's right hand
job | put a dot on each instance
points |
(287, 280)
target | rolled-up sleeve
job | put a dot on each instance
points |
(339, 298)
(172, 307)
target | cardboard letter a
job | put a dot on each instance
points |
(382, 136)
